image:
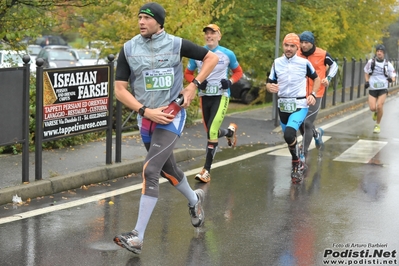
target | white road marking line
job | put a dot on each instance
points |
(362, 151)
(344, 118)
(70, 204)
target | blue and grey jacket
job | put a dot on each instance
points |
(156, 68)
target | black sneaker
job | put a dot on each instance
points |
(298, 171)
(197, 212)
(130, 241)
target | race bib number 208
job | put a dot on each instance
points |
(158, 79)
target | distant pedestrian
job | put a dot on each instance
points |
(288, 79)
(378, 72)
(151, 62)
(214, 95)
(326, 68)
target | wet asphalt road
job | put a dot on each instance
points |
(345, 210)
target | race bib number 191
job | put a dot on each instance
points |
(158, 79)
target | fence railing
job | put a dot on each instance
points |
(349, 82)
(347, 85)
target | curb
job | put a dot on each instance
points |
(58, 184)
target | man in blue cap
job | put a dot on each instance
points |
(321, 61)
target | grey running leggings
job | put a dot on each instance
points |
(160, 160)
(307, 129)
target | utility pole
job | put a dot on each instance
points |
(276, 54)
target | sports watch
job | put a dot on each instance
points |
(142, 110)
(196, 82)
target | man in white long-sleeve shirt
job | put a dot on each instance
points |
(288, 79)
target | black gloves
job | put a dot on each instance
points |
(366, 85)
(202, 86)
(389, 80)
(226, 83)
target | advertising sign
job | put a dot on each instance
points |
(75, 100)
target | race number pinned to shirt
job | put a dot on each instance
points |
(211, 89)
(158, 79)
(377, 85)
(287, 105)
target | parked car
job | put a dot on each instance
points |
(50, 40)
(10, 58)
(89, 57)
(33, 50)
(244, 90)
(55, 56)
(99, 45)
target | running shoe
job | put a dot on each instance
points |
(319, 139)
(232, 141)
(374, 116)
(203, 176)
(377, 128)
(197, 212)
(297, 171)
(130, 241)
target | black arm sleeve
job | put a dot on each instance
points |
(122, 67)
(192, 50)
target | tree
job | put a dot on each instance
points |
(343, 27)
(118, 22)
(392, 41)
(28, 18)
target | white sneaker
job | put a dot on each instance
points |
(204, 176)
(377, 128)
(232, 141)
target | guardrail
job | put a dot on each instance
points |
(349, 82)
(347, 85)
